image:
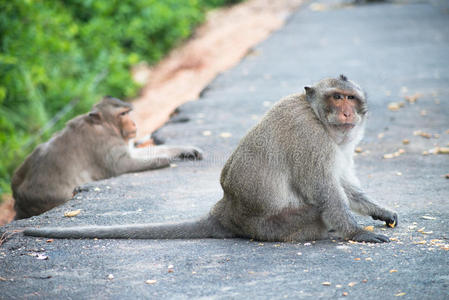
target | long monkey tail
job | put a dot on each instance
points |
(208, 227)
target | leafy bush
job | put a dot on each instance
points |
(62, 56)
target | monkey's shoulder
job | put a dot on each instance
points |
(293, 118)
(292, 109)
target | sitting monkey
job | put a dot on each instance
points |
(91, 147)
(291, 178)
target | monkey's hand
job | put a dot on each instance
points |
(366, 236)
(390, 218)
(191, 153)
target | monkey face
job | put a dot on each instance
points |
(127, 126)
(342, 109)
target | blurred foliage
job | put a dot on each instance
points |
(53, 53)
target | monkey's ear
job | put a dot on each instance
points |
(95, 117)
(310, 92)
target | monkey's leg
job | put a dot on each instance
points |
(336, 216)
(289, 225)
(360, 203)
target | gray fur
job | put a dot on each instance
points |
(291, 178)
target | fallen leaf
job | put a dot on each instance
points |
(338, 286)
(97, 189)
(50, 240)
(351, 284)
(405, 141)
(345, 294)
(170, 269)
(151, 281)
(393, 271)
(358, 150)
(42, 256)
(423, 242)
(357, 258)
(365, 280)
(368, 259)
(3, 279)
(400, 294)
(326, 283)
(394, 154)
(394, 106)
(225, 135)
(110, 276)
(428, 218)
(72, 213)
(412, 99)
(207, 132)
(442, 150)
(422, 133)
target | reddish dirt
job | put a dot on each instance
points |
(217, 45)
(6, 210)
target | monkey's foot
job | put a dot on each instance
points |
(79, 189)
(191, 154)
(390, 219)
(369, 237)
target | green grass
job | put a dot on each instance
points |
(60, 57)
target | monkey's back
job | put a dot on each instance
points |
(49, 174)
(265, 173)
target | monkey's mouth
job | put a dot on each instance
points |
(345, 126)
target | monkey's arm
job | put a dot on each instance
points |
(360, 203)
(121, 162)
(336, 215)
(173, 152)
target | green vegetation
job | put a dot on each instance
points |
(60, 57)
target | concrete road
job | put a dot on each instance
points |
(393, 50)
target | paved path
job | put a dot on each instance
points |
(392, 50)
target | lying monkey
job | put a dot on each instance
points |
(291, 178)
(91, 147)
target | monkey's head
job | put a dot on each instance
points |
(340, 105)
(114, 113)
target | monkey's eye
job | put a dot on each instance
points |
(337, 96)
(123, 113)
(351, 97)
